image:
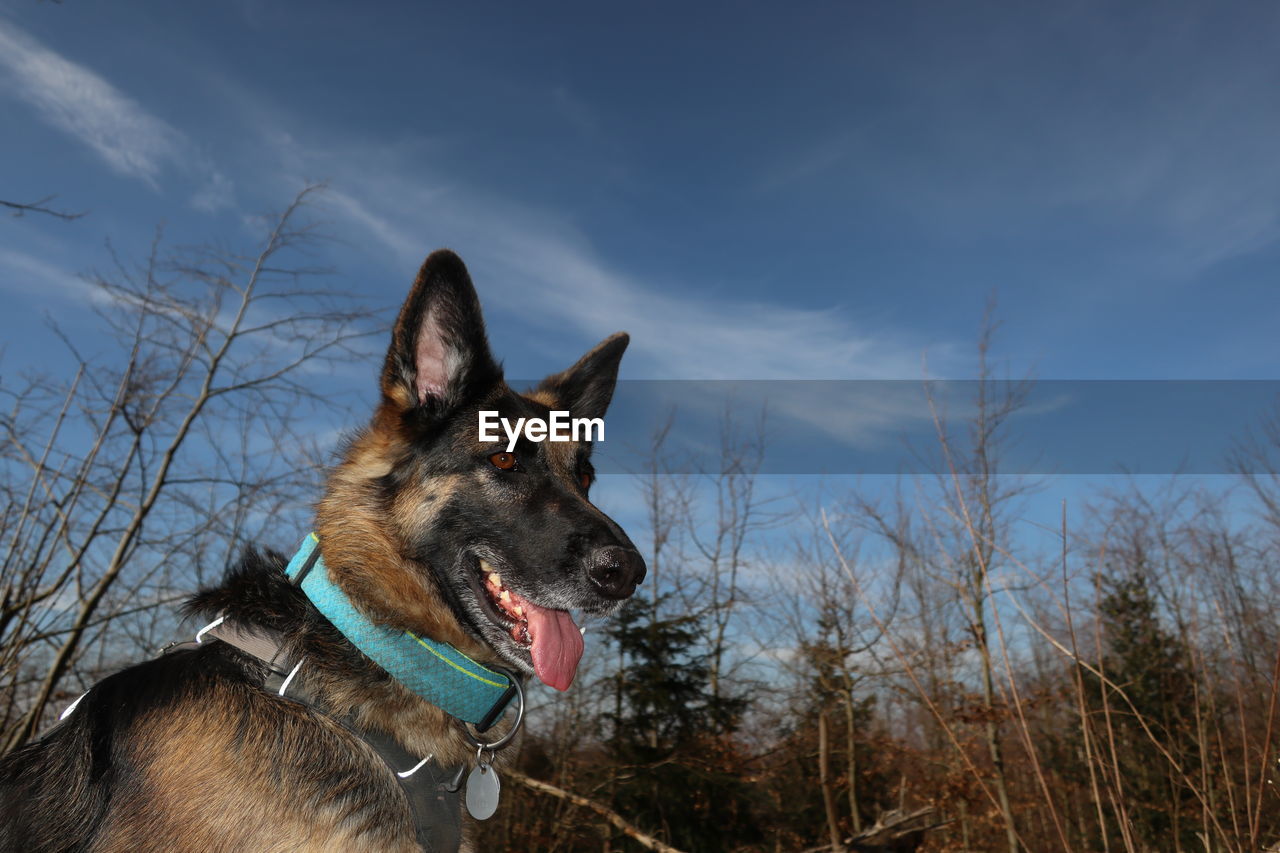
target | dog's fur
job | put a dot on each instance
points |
(189, 752)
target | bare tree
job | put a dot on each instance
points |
(836, 632)
(977, 531)
(949, 543)
(723, 545)
(123, 487)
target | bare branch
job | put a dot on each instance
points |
(40, 206)
(616, 820)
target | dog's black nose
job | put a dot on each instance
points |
(616, 571)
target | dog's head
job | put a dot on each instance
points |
(511, 540)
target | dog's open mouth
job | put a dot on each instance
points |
(550, 637)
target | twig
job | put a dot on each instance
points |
(23, 208)
(626, 827)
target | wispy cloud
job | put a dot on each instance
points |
(26, 274)
(684, 335)
(217, 193)
(85, 106)
(533, 262)
(809, 162)
(79, 102)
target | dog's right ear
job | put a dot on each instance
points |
(439, 355)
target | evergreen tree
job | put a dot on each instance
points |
(679, 770)
(1152, 667)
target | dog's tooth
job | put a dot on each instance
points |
(518, 610)
(497, 580)
(505, 596)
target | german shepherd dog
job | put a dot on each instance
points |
(427, 531)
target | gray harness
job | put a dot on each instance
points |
(434, 792)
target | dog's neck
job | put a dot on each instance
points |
(347, 683)
(367, 563)
(433, 670)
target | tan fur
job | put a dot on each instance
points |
(365, 561)
(363, 558)
(217, 775)
(543, 396)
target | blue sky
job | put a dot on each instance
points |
(755, 191)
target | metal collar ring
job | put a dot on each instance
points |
(515, 727)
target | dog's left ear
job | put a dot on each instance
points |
(439, 355)
(586, 388)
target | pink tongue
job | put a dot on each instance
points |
(557, 645)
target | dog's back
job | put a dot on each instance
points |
(189, 752)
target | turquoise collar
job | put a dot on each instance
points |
(436, 671)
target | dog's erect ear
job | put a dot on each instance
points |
(586, 388)
(439, 355)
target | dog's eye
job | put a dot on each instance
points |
(503, 461)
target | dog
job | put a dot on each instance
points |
(289, 725)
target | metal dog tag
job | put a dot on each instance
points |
(483, 788)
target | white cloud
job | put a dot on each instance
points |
(685, 335)
(75, 100)
(531, 262)
(217, 193)
(85, 106)
(24, 273)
